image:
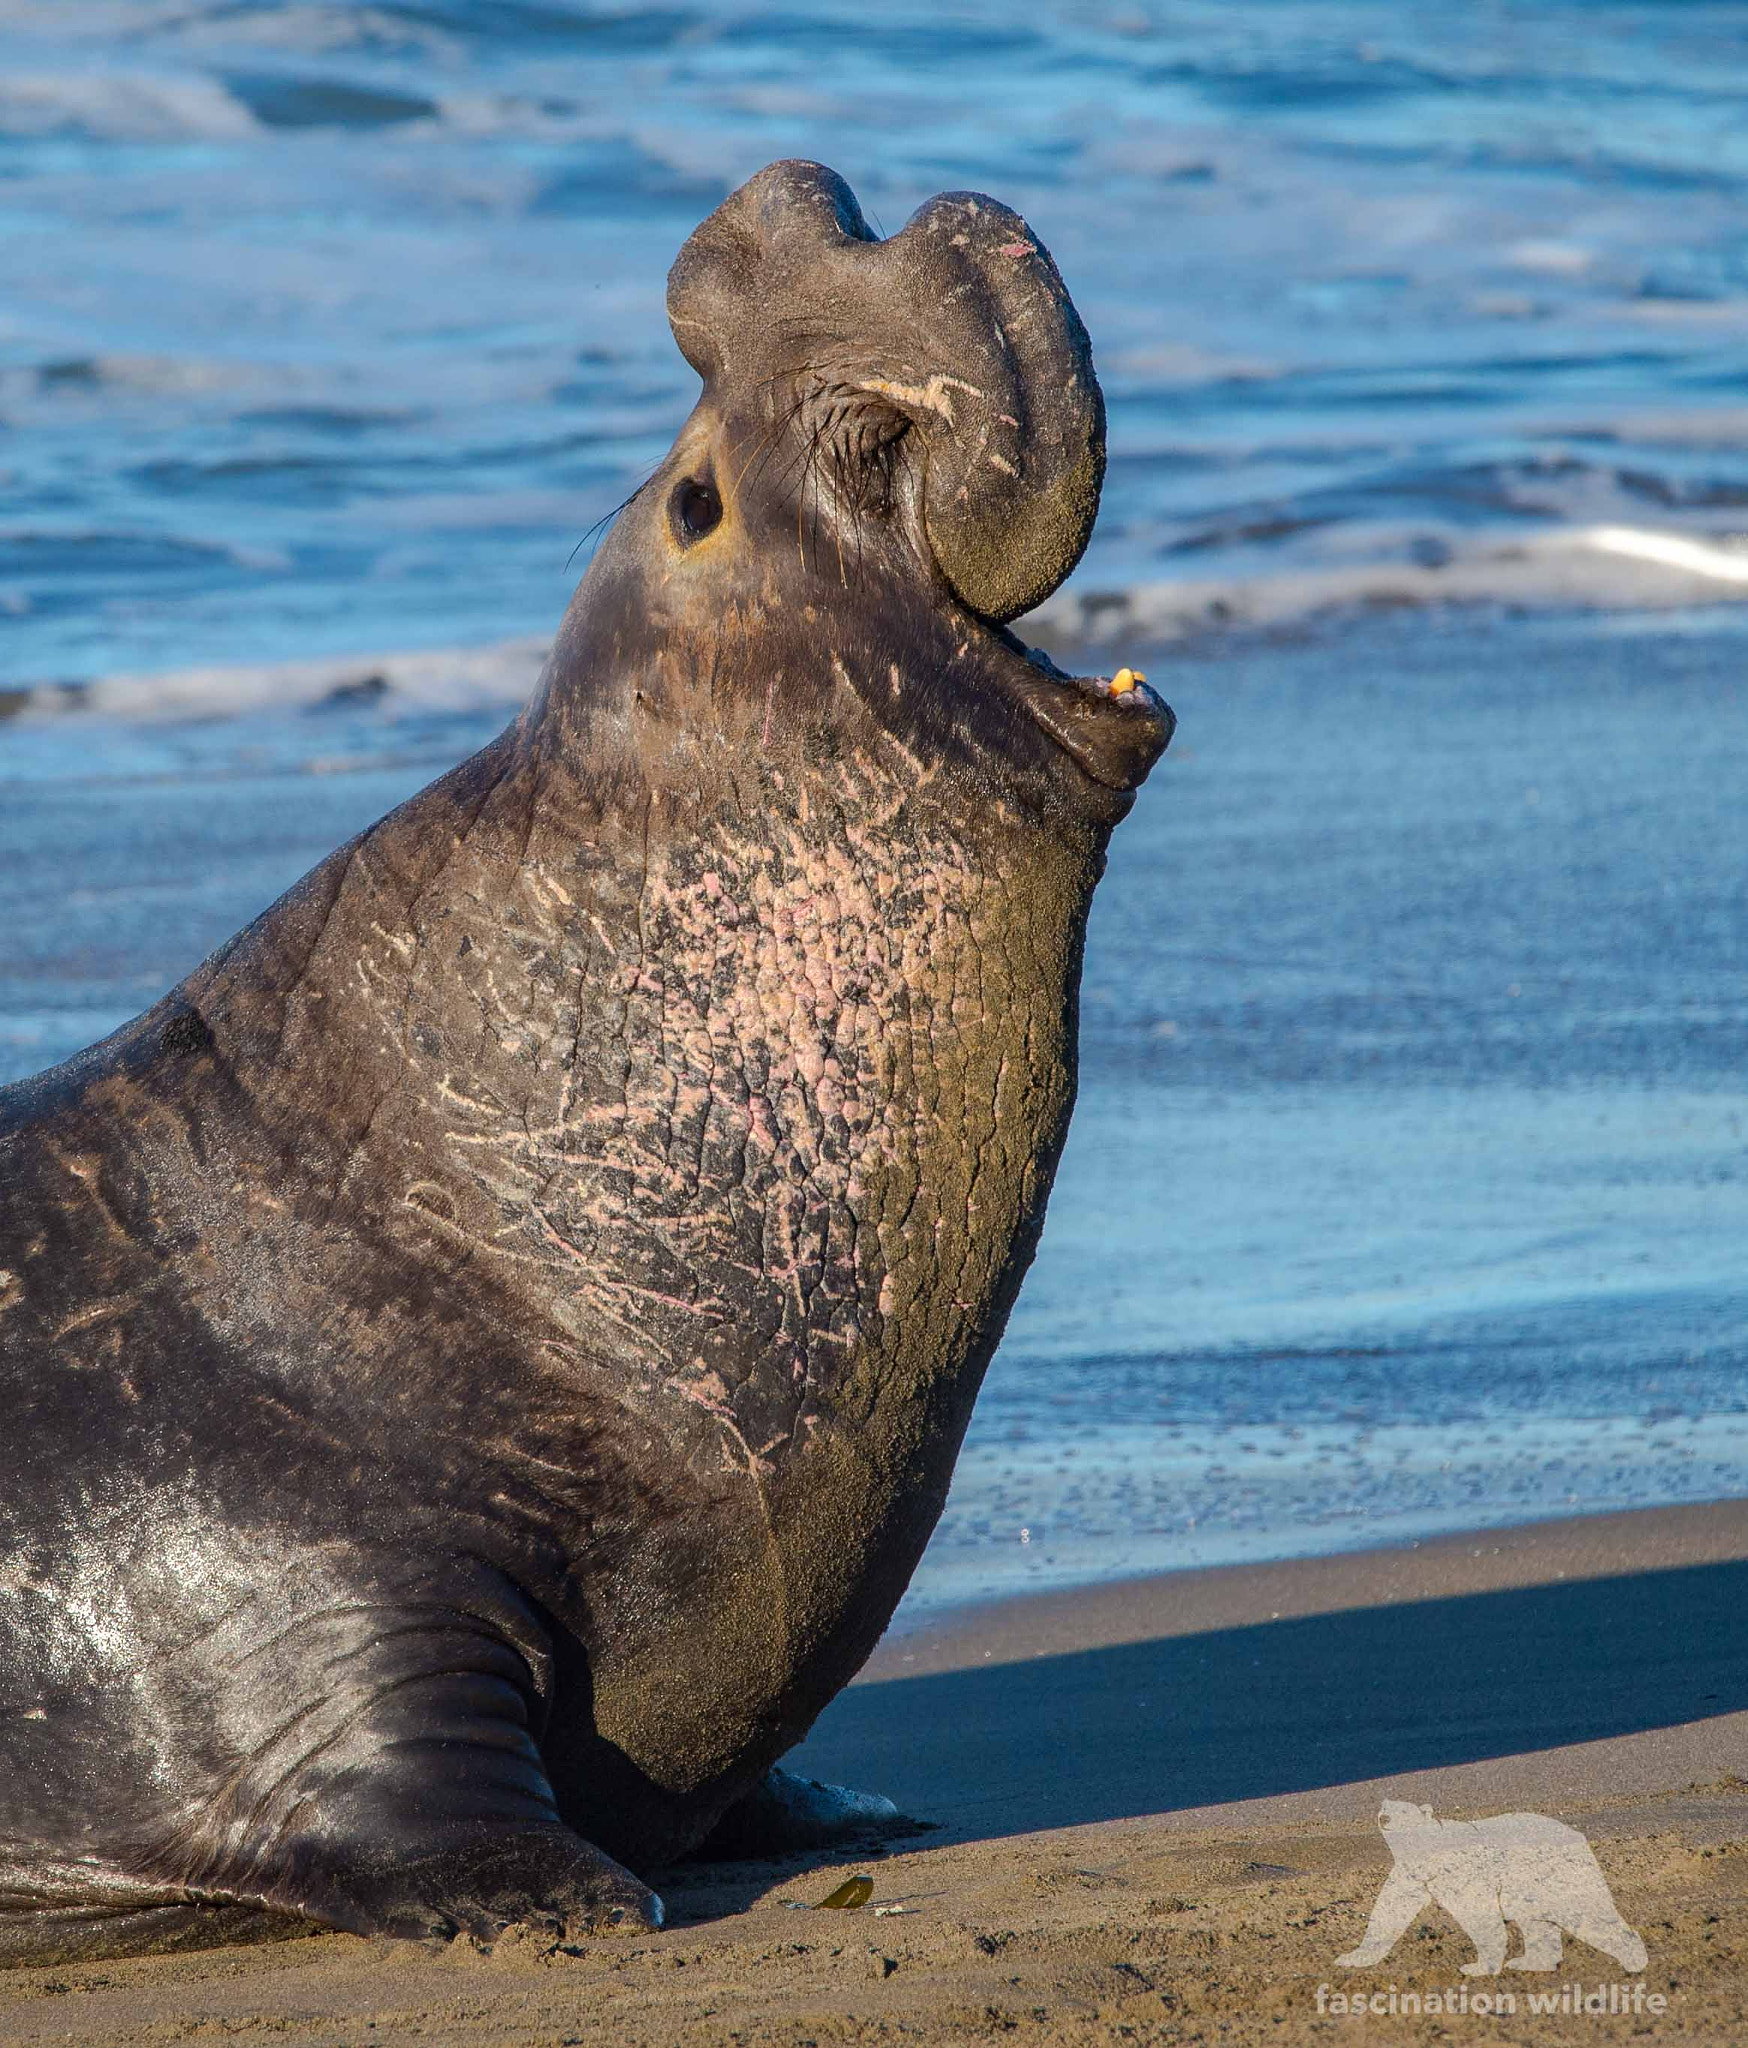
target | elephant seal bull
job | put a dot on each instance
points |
(481, 1359)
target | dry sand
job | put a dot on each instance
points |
(1158, 1806)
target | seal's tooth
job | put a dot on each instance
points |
(1125, 680)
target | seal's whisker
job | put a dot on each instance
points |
(787, 370)
(606, 519)
(767, 441)
(772, 439)
(797, 459)
(811, 475)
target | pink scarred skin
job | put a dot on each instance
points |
(480, 1360)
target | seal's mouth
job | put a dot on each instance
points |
(1112, 727)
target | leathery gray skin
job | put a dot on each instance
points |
(481, 1359)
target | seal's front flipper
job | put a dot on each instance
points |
(482, 1882)
(408, 1796)
(784, 1814)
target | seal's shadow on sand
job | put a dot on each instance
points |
(1293, 1705)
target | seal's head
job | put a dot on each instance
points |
(898, 449)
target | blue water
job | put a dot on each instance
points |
(1409, 1185)
(333, 327)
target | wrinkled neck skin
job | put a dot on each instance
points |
(727, 1023)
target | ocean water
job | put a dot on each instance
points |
(1407, 1190)
(329, 327)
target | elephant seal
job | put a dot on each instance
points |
(481, 1359)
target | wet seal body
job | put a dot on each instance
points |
(481, 1359)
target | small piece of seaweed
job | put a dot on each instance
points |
(853, 1892)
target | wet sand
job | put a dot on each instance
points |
(1156, 1808)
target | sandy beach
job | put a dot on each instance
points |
(1155, 1809)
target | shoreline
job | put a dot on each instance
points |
(1155, 1820)
(947, 1614)
(1619, 1598)
(1657, 1532)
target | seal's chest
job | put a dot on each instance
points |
(744, 1126)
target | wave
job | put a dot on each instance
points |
(130, 106)
(1586, 569)
(440, 679)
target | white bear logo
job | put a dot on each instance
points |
(1522, 1867)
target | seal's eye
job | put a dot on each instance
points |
(697, 509)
